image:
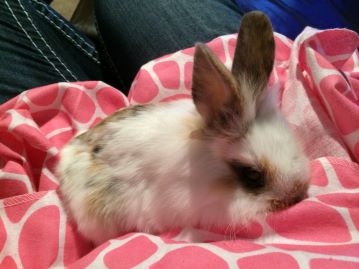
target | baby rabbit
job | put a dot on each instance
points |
(225, 157)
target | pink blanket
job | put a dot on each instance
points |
(317, 77)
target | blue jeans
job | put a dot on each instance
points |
(134, 32)
(39, 47)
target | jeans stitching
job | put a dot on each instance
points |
(42, 38)
(71, 39)
(32, 41)
(57, 17)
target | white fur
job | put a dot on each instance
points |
(166, 180)
(162, 190)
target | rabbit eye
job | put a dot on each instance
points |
(249, 177)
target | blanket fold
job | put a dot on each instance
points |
(317, 80)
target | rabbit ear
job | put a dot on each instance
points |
(214, 90)
(254, 54)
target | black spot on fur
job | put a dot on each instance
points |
(96, 149)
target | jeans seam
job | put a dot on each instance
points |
(67, 35)
(70, 38)
(88, 44)
(42, 38)
(32, 41)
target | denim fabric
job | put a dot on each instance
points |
(134, 32)
(38, 47)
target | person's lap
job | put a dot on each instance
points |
(136, 31)
(37, 46)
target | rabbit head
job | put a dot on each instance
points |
(267, 165)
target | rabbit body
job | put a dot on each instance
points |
(223, 158)
(141, 179)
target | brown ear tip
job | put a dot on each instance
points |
(200, 45)
(256, 16)
(201, 48)
(202, 52)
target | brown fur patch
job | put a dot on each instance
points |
(299, 191)
(297, 194)
(94, 202)
(277, 205)
(119, 115)
(99, 135)
(99, 191)
(269, 170)
(196, 124)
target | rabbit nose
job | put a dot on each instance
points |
(280, 204)
(296, 199)
(277, 205)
